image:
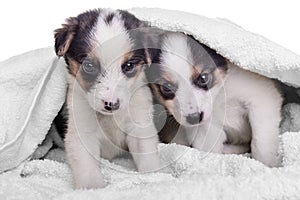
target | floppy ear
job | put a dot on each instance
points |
(64, 36)
(219, 60)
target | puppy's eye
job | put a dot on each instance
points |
(89, 67)
(203, 80)
(129, 69)
(167, 90)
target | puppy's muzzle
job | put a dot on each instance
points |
(194, 118)
(112, 106)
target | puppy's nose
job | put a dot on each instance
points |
(194, 118)
(111, 106)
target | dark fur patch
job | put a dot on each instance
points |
(75, 33)
(60, 121)
(80, 46)
(169, 130)
(153, 43)
(130, 21)
(206, 60)
(108, 19)
(64, 36)
(290, 94)
(203, 55)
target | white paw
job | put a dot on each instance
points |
(148, 163)
(271, 160)
(89, 181)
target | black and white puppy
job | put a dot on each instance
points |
(108, 100)
(220, 107)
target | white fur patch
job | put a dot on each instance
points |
(177, 56)
(112, 43)
(112, 39)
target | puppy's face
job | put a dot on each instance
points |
(105, 54)
(190, 77)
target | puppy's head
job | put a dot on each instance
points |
(187, 79)
(104, 52)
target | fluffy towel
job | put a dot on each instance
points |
(20, 79)
(189, 174)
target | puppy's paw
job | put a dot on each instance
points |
(276, 162)
(149, 165)
(90, 181)
(270, 159)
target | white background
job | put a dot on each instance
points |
(29, 24)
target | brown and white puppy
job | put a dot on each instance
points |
(108, 100)
(214, 105)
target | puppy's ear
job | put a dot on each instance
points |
(152, 41)
(219, 60)
(64, 36)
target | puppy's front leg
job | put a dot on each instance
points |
(142, 136)
(83, 153)
(144, 150)
(265, 120)
(207, 137)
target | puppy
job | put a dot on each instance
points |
(219, 106)
(108, 100)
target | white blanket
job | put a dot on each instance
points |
(189, 174)
(20, 80)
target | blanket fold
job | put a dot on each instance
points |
(248, 50)
(21, 79)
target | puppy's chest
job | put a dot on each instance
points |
(236, 123)
(112, 138)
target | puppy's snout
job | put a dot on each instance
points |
(111, 106)
(194, 118)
